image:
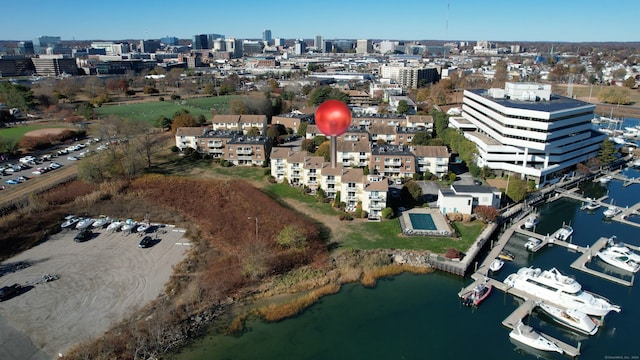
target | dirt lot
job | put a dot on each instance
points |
(101, 281)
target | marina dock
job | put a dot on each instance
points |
(581, 263)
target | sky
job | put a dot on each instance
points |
(470, 20)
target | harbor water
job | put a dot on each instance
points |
(421, 317)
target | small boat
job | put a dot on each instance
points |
(115, 226)
(526, 335)
(636, 163)
(69, 222)
(505, 255)
(496, 265)
(605, 179)
(143, 227)
(591, 205)
(571, 318)
(84, 223)
(476, 295)
(532, 243)
(564, 233)
(620, 256)
(611, 211)
(531, 222)
(129, 225)
(101, 221)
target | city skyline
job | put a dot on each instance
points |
(544, 20)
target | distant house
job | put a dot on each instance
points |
(434, 159)
(464, 198)
(240, 122)
(186, 137)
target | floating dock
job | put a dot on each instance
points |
(581, 263)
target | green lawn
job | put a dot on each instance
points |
(387, 235)
(17, 132)
(285, 191)
(150, 111)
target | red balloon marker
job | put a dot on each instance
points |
(333, 118)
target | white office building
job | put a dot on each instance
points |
(526, 129)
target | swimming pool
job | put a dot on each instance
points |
(422, 222)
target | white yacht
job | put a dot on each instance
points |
(605, 179)
(618, 255)
(532, 243)
(531, 222)
(101, 222)
(564, 233)
(115, 226)
(591, 205)
(571, 318)
(526, 335)
(129, 225)
(611, 211)
(552, 286)
(496, 265)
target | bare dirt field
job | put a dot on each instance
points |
(100, 282)
(44, 132)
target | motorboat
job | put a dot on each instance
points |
(571, 318)
(531, 222)
(554, 287)
(605, 179)
(505, 255)
(476, 295)
(143, 227)
(564, 233)
(528, 336)
(115, 226)
(129, 225)
(496, 265)
(84, 223)
(611, 211)
(619, 255)
(591, 205)
(532, 243)
(69, 222)
(636, 163)
(101, 221)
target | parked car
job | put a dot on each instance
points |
(12, 182)
(9, 291)
(146, 242)
(72, 158)
(22, 178)
(83, 235)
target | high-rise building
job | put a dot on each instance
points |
(364, 46)
(525, 129)
(410, 76)
(41, 43)
(26, 48)
(278, 42)
(234, 47)
(213, 37)
(200, 42)
(317, 42)
(169, 40)
(149, 46)
(300, 47)
(266, 36)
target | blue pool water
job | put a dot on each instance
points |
(422, 222)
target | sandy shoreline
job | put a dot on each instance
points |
(101, 281)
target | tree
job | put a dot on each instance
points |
(118, 86)
(16, 96)
(630, 82)
(415, 190)
(420, 138)
(291, 237)
(324, 150)
(607, 151)
(253, 131)
(403, 107)
(308, 145)
(183, 120)
(302, 129)
(615, 95)
(516, 188)
(486, 213)
(324, 93)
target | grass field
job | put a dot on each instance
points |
(387, 235)
(17, 132)
(150, 111)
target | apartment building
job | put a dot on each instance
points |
(292, 120)
(526, 129)
(240, 122)
(230, 145)
(393, 161)
(432, 159)
(353, 153)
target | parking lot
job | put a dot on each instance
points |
(100, 281)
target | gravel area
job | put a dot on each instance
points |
(100, 282)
